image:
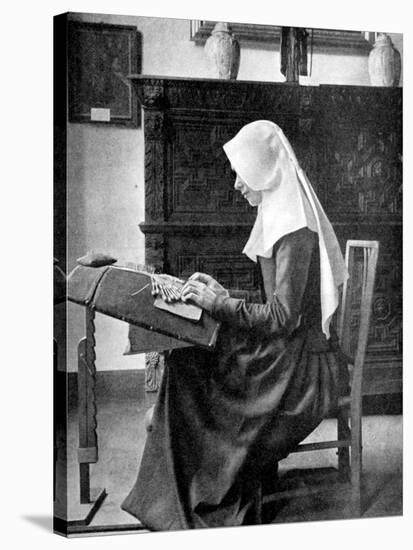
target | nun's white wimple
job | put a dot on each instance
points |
(262, 155)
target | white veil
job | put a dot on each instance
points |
(263, 157)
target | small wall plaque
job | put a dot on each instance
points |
(99, 115)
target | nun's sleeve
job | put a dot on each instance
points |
(280, 315)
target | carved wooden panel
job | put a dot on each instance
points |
(360, 166)
(221, 95)
(154, 164)
(155, 251)
(347, 139)
(154, 367)
(232, 271)
(200, 179)
(385, 339)
(386, 331)
(362, 172)
(199, 172)
(384, 335)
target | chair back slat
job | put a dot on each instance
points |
(365, 315)
(353, 330)
(345, 309)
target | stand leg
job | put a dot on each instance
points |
(89, 501)
(88, 450)
(84, 477)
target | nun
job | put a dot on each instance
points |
(223, 420)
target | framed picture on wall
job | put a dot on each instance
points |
(101, 57)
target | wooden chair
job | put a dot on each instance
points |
(353, 329)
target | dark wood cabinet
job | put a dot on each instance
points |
(347, 138)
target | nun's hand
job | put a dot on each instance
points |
(198, 293)
(210, 283)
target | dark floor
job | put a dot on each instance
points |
(121, 437)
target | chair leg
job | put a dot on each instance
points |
(258, 505)
(356, 469)
(356, 483)
(343, 452)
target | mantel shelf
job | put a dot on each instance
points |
(159, 93)
(141, 79)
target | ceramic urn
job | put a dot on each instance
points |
(384, 62)
(223, 52)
